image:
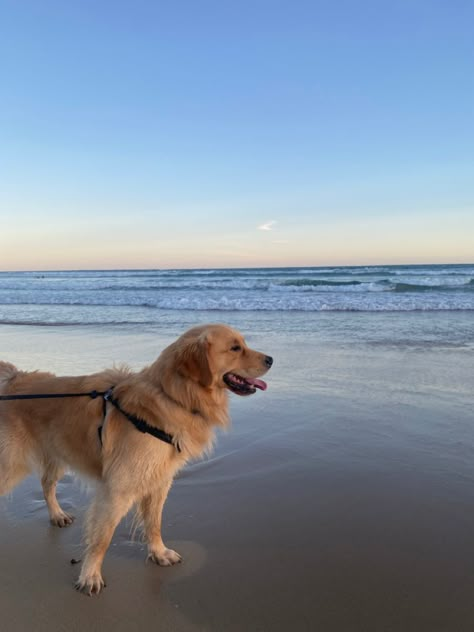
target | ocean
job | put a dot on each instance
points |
(140, 296)
(394, 305)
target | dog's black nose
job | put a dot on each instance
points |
(268, 361)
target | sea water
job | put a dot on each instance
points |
(421, 306)
(140, 295)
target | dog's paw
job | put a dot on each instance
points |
(90, 584)
(62, 519)
(166, 557)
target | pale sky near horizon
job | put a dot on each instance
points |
(255, 133)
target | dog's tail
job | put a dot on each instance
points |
(14, 464)
(7, 371)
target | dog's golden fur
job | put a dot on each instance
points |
(183, 393)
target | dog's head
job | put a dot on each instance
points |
(216, 356)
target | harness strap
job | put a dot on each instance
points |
(141, 424)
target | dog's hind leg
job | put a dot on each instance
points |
(51, 475)
(13, 464)
(11, 474)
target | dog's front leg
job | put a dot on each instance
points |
(152, 509)
(107, 509)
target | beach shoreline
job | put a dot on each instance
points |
(341, 499)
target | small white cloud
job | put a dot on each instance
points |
(267, 225)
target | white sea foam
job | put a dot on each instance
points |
(121, 295)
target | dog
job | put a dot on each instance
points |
(182, 396)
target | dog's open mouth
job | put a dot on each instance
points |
(243, 385)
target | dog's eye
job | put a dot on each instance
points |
(236, 348)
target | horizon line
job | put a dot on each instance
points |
(282, 267)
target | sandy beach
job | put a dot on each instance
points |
(342, 499)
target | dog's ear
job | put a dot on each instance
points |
(194, 361)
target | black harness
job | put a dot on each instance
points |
(140, 424)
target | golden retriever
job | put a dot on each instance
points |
(184, 394)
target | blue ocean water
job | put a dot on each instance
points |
(130, 296)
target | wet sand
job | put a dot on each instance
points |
(341, 500)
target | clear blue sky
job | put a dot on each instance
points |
(198, 133)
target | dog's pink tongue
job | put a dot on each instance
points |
(257, 383)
